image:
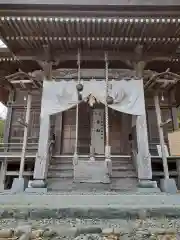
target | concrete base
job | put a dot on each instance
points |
(168, 186)
(19, 185)
(36, 190)
(38, 184)
(148, 190)
(147, 184)
(89, 206)
(91, 172)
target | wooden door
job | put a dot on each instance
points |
(69, 130)
(97, 131)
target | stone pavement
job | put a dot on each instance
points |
(88, 205)
(93, 216)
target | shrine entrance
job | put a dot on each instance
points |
(91, 130)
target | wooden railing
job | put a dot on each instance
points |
(13, 150)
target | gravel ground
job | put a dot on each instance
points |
(90, 229)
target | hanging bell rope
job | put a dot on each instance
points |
(79, 88)
(106, 105)
(109, 100)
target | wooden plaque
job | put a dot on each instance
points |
(174, 143)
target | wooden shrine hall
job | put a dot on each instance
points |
(92, 98)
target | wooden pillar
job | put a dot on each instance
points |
(143, 161)
(42, 161)
(175, 123)
(25, 137)
(161, 136)
(174, 111)
(58, 132)
(7, 129)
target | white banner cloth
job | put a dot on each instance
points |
(60, 96)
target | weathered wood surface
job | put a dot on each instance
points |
(161, 135)
(3, 95)
(116, 121)
(96, 3)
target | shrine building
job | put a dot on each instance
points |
(92, 92)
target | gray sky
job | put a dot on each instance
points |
(3, 111)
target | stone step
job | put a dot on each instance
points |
(70, 161)
(70, 174)
(123, 167)
(55, 161)
(66, 184)
(65, 167)
(58, 184)
(61, 167)
(123, 174)
(108, 209)
(124, 183)
(57, 174)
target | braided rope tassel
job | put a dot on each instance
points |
(75, 158)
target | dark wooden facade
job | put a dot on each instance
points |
(46, 39)
(119, 125)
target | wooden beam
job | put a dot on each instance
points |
(16, 173)
(93, 2)
(47, 68)
(60, 56)
(89, 55)
(25, 137)
(8, 8)
(161, 136)
(143, 159)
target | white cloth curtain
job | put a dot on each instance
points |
(62, 95)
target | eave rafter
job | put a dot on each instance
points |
(26, 38)
(70, 32)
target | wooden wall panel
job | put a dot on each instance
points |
(152, 124)
(84, 134)
(115, 131)
(69, 130)
(21, 96)
(19, 111)
(4, 94)
(119, 130)
(58, 133)
(17, 130)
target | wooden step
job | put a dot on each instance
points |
(66, 184)
(126, 184)
(61, 167)
(64, 167)
(67, 161)
(70, 174)
(124, 174)
(59, 174)
(123, 167)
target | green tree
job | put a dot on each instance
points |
(179, 117)
(1, 130)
